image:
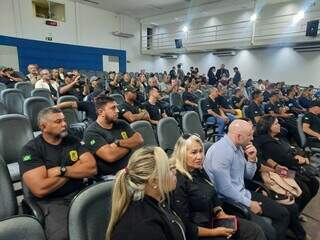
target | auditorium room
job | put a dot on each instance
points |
(159, 120)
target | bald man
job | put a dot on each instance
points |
(232, 159)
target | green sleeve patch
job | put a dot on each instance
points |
(26, 158)
(92, 142)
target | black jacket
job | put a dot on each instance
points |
(194, 201)
(147, 219)
(279, 151)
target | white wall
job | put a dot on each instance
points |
(281, 64)
(9, 56)
(84, 25)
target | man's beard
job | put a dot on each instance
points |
(63, 134)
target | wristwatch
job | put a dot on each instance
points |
(63, 171)
(117, 142)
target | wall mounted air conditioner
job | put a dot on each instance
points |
(169, 56)
(122, 34)
(224, 53)
(310, 48)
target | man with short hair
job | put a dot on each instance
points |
(74, 86)
(275, 108)
(311, 124)
(213, 114)
(153, 106)
(54, 167)
(109, 139)
(231, 160)
(45, 82)
(129, 111)
(33, 76)
(254, 111)
(221, 71)
(237, 76)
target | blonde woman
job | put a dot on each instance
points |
(196, 201)
(139, 202)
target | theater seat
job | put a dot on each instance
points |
(31, 108)
(25, 87)
(168, 133)
(147, 132)
(42, 92)
(2, 86)
(3, 109)
(191, 124)
(90, 211)
(8, 201)
(67, 98)
(15, 132)
(13, 100)
(21, 227)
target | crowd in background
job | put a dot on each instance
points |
(255, 123)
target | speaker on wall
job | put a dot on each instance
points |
(178, 43)
(312, 28)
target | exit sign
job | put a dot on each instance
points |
(51, 23)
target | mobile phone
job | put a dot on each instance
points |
(230, 222)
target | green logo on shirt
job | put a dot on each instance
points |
(26, 158)
(92, 142)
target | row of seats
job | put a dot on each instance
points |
(88, 214)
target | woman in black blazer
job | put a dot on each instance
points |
(195, 199)
(139, 207)
(271, 145)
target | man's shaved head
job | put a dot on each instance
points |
(241, 132)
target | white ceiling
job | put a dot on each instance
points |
(145, 8)
(149, 8)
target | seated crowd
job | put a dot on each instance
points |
(183, 195)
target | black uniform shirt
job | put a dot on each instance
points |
(38, 152)
(95, 137)
(313, 120)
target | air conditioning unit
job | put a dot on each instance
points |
(122, 34)
(224, 53)
(310, 48)
(169, 56)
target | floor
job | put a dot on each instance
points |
(312, 214)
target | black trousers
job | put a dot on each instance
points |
(56, 217)
(247, 231)
(309, 187)
(278, 214)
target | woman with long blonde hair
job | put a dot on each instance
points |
(139, 201)
(196, 201)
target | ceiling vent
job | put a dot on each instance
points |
(122, 34)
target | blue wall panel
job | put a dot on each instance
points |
(52, 55)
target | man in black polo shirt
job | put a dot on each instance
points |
(189, 99)
(129, 111)
(275, 108)
(74, 86)
(53, 166)
(109, 139)
(238, 100)
(213, 114)
(152, 106)
(311, 124)
(254, 110)
(223, 102)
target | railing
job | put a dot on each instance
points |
(276, 29)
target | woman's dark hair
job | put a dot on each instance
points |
(264, 125)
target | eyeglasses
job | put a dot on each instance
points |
(186, 136)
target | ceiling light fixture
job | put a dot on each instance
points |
(298, 16)
(253, 18)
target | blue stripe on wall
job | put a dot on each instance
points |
(52, 55)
